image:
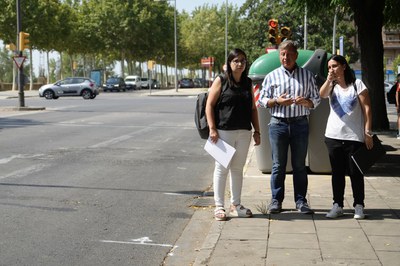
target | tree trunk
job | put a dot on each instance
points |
(368, 15)
(48, 67)
(122, 65)
(30, 69)
(61, 75)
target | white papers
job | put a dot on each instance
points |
(221, 151)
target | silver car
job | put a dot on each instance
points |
(75, 86)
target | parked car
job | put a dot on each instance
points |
(199, 83)
(144, 83)
(186, 83)
(155, 84)
(74, 86)
(388, 86)
(133, 82)
(114, 84)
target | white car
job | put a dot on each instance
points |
(133, 82)
(388, 86)
(74, 86)
(144, 83)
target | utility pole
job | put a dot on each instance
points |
(334, 32)
(226, 31)
(305, 28)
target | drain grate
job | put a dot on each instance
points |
(203, 202)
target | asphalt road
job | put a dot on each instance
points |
(106, 181)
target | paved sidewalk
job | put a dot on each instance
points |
(14, 94)
(292, 238)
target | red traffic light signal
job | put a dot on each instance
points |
(273, 23)
(273, 34)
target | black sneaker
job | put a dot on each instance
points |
(275, 206)
(304, 208)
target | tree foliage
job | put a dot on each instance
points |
(369, 16)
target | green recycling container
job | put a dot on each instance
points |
(317, 157)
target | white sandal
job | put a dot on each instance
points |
(241, 211)
(220, 214)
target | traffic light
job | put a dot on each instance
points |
(23, 41)
(151, 64)
(273, 33)
(286, 33)
(11, 47)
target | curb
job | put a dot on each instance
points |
(25, 108)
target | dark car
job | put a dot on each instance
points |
(74, 86)
(199, 83)
(155, 84)
(114, 84)
(186, 83)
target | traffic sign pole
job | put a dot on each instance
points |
(20, 69)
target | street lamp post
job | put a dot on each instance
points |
(176, 49)
(226, 30)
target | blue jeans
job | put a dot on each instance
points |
(282, 134)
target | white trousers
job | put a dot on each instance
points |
(240, 140)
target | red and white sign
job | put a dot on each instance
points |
(207, 61)
(19, 60)
(268, 50)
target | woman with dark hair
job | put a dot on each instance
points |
(348, 128)
(231, 115)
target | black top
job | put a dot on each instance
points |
(234, 107)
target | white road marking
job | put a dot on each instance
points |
(19, 156)
(25, 171)
(140, 241)
(118, 139)
(111, 141)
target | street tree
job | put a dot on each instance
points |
(6, 66)
(203, 34)
(369, 16)
(254, 27)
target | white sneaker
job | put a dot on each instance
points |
(359, 212)
(335, 212)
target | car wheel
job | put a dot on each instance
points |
(86, 94)
(93, 96)
(49, 94)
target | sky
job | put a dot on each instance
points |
(190, 5)
(187, 5)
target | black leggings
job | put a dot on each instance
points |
(340, 152)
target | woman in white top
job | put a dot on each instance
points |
(348, 128)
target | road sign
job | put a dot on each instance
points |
(19, 60)
(207, 61)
